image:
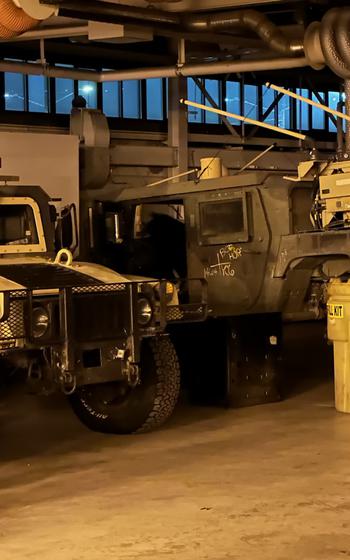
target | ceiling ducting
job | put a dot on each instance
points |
(221, 22)
(325, 42)
(249, 19)
(19, 16)
(14, 20)
(328, 42)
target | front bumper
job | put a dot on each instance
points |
(93, 331)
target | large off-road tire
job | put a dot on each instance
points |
(119, 409)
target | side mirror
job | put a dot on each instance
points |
(113, 225)
(53, 213)
(67, 229)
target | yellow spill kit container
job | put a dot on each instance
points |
(338, 311)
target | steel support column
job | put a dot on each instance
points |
(178, 124)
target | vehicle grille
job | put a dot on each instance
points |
(14, 326)
(105, 316)
(99, 313)
(99, 289)
(186, 313)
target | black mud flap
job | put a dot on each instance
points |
(230, 362)
(254, 356)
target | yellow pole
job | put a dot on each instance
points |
(309, 101)
(244, 119)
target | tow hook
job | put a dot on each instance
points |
(132, 373)
(68, 382)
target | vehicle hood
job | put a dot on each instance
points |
(39, 274)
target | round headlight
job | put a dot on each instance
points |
(40, 321)
(145, 312)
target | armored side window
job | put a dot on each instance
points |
(17, 225)
(223, 222)
(21, 227)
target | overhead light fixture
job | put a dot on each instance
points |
(87, 88)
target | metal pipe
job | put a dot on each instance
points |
(242, 66)
(110, 12)
(53, 33)
(49, 71)
(161, 72)
(73, 31)
(251, 19)
(140, 74)
(340, 133)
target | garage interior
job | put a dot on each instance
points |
(149, 114)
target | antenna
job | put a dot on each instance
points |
(162, 181)
(244, 119)
(255, 159)
(309, 101)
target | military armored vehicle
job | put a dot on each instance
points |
(265, 244)
(93, 333)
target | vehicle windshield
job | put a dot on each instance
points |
(17, 225)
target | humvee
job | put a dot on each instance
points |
(94, 333)
(266, 246)
(253, 238)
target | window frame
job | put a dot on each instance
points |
(142, 122)
(39, 247)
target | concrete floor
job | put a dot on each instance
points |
(269, 482)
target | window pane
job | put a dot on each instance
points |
(302, 111)
(167, 96)
(110, 99)
(14, 91)
(194, 94)
(334, 98)
(88, 90)
(284, 112)
(212, 87)
(38, 94)
(318, 116)
(131, 99)
(267, 99)
(154, 98)
(64, 95)
(233, 100)
(251, 101)
(222, 218)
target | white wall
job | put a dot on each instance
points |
(48, 160)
